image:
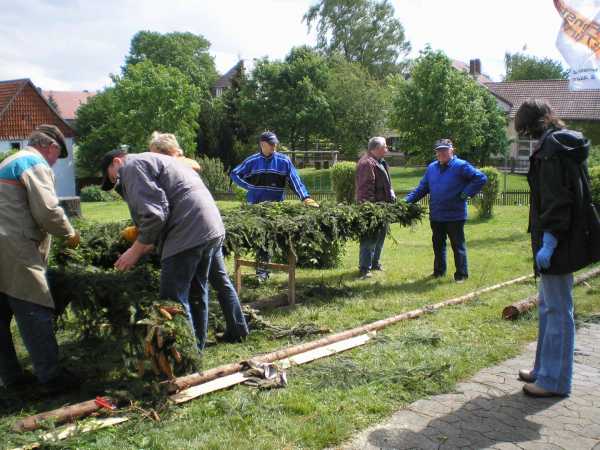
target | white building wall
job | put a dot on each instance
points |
(64, 169)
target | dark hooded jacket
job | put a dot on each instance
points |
(557, 198)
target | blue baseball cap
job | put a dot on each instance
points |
(270, 137)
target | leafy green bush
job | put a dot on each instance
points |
(213, 174)
(595, 184)
(484, 202)
(343, 178)
(594, 158)
(95, 194)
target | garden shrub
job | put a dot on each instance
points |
(213, 174)
(484, 202)
(95, 193)
(595, 184)
(594, 158)
(4, 155)
(343, 178)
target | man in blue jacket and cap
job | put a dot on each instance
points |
(449, 181)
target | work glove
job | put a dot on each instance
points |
(544, 254)
(73, 240)
(310, 202)
(130, 234)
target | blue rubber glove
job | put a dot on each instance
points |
(544, 254)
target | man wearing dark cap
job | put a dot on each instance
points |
(264, 175)
(29, 214)
(174, 211)
(449, 181)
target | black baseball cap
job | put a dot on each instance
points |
(106, 161)
(442, 144)
(270, 137)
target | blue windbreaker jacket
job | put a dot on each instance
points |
(445, 184)
(265, 178)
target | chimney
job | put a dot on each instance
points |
(475, 67)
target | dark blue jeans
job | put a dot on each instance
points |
(176, 276)
(36, 326)
(456, 232)
(227, 296)
(371, 246)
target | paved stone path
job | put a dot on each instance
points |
(490, 411)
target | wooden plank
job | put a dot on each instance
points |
(238, 275)
(238, 377)
(205, 388)
(73, 429)
(268, 265)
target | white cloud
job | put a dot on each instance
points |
(75, 44)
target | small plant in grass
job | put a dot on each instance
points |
(342, 177)
(484, 202)
(213, 174)
(595, 184)
(594, 158)
(96, 194)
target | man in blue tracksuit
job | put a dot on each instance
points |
(449, 181)
(265, 174)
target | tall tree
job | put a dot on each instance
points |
(358, 105)
(289, 96)
(148, 97)
(439, 101)
(363, 31)
(525, 67)
(187, 52)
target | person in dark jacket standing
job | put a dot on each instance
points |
(557, 174)
(450, 182)
(373, 184)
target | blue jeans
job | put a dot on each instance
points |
(176, 276)
(456, 232)
(371, 246)
(227, 296)
(36, 326)
(553, 366)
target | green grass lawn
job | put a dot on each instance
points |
(403, 179)
(329, 400)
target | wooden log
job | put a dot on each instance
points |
(268, 265)
(513, 311)
(60, 415)
(238, 377)
(74, 429)
(197, 378)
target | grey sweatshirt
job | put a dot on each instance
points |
(169, 203)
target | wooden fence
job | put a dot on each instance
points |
(508, 198)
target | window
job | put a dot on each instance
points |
(15, 146)
(525, 148)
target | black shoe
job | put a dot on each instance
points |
(526, 376)
(364, 274)
(65, 381)
(378, 268)
(229, 338)
(437, 275)
(461, 278)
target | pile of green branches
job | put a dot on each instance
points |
(316, 235)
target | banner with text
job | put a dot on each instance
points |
(579, 41)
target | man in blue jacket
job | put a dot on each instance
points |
(449, 181)
(264, 175)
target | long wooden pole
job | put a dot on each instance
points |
(513, 311)
(187, 381)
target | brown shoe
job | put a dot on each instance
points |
(534, 390)
(526, 376)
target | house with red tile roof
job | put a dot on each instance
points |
(22, 109)
(580, 110)
(68, 102)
